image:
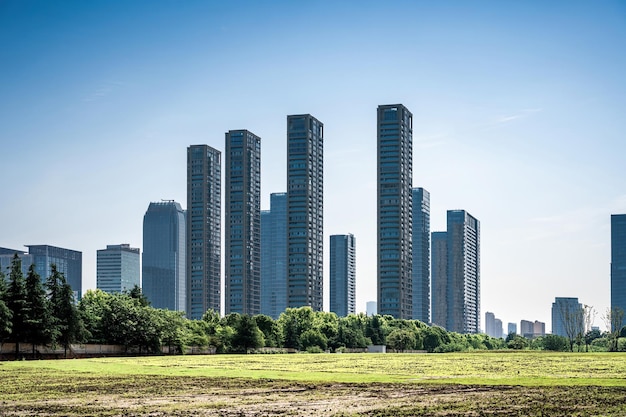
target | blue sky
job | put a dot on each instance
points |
(518, 118)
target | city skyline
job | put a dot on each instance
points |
(517, 118)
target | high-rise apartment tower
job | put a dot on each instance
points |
(342, 275)
(204, 184)
(618, 262)
(274, 256)
(305, 211)
(421, 255)
(395, 211)
(243, 223)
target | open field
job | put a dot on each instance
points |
(467, 384)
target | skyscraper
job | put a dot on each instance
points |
(618, 261)
(305, 211)
(117, 268)
(274, 256)
(395, 210)
(243, 223)
(342, 275)
(463, 272)
(456, 274)
(164, 275)
(69, 263)
(204, 184)
(567, 314)
(421, 255)
(439, 278)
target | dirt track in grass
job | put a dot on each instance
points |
(60, 394)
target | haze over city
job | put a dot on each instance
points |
(518, 118)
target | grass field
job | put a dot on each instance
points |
(464, 384)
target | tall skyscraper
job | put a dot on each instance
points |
(456, 286)
(567, 312)
(243, 223)
(164, 275)
(204, 199)
(618, 261)
(439, 253)
(69, 263)
(342, 275)
(117, 268)
(395, 211)
(493, 325)
(305, 211)
(274, 256)
(421, 255)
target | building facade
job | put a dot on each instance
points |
(618, 262)
(117, 268)
(243, 223)
(164, 275)
(342, 274)
(305, 211)
(395, 210)
(421, 255)
(6, 257)
(68, 262)
(204, 208)
(567, 315)
(371, 308)
(274, 256)
(439, 246)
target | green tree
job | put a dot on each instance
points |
(136, 294)
(517, 342)
(293, 322)
(247, 335)
(16, 303)
(311, 338)
(5, 313)
(92, 307)
(401, 339)
(66, 318)
(270, 329)
(38, 328)
(555, 343)
(433, 337)
(375, 330)
(614, 320)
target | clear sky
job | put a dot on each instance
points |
(519, 117)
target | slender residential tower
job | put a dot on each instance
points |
(274, 256)
(305, 211)
(618, 262)
(395, 211)
(204, 184)
(421, 255)
(439, 251)
(342, 275)
(164, 275)
(243, 223)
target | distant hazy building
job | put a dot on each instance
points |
(117, 268)
(421, 255)
(68, 262)
(439, 245)
(204, 233)
(531, 329)
(512, 328)
(164, 275)
(371, 308)
(493, 325)
(243, 223)
(305, 211)
(618, 261)
(274, 256)
(498, 328)
(394, 130)
(566, 312)
(342, 274)
(456, 290)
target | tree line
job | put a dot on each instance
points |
(47, 314)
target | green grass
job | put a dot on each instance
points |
(480, 368)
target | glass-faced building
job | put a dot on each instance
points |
(274, 256)
(343, 274)
(243, 223)
(204, 208)
(68, 262)
(456, 274)
(117, 268)
(6, 257)
(567, 314)
(421, 255)
(305, 211)
(164, 275)
(618, 262)
(395, 211)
